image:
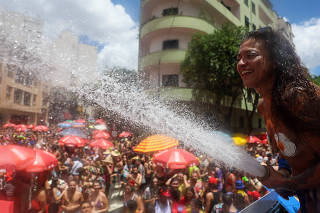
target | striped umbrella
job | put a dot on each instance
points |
(156, 143)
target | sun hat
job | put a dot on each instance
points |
(239, 184)
(115, 153)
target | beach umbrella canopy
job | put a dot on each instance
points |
(101, 143)
(79, 121)
(30, 126)
(101, 134)
(125, 134)
(40, 128)
(175, 159)
(78, 125)
(156, 143)
(100, 121)
(73, 131)
(72, 140)
(9, 125)
(64, 125)
(239, 141)
(100, 127)
(43, 161)
(17, 156)
(253, 139)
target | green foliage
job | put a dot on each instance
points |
(210, 64)
(316, 79)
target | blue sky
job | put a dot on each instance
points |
(298, 13)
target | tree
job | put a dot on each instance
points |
(209, 68)
(316, 79)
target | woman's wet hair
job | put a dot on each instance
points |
(289, 72)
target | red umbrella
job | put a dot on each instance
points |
(100, 121)
(101, 143)
(79, 121)
(43, 161)
(71, 140)
(18, 156)
(265, 141)
(125, 134)
(30, 126)
(9, 125)
(21, 129)
(253, 139)
(174, 159)
(101, 134)
(40, 128)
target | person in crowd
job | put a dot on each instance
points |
(135, 177)
(132, 202)
(86, 207)
(163, 203)
(196, 183)
(54, 196)
(290, 106)
(72, 198)
(213, 196)
(241, 190)
(98, 199)
(151, 194)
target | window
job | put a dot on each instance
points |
(241, 122)
(170, 44)
(170, 80)
(17, 96)
(246, 2)
(28, 80)
(45, 99)
(11, 69)
(254, 27)
(19, 76)
(246, 22)
(27, 99)
(34, 101)
(253, 8)
(8, 92)
(170, 11)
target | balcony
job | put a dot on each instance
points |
(176, 22)
(165, 57)
(232, 18)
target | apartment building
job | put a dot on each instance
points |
(167, 26)
(31, 64)
(23, 97)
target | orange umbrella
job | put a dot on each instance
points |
(156, 143)
(71, 140)
(175, 159)
(43, 161)
(101, 134)
(101, 143)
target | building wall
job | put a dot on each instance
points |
(155, 28)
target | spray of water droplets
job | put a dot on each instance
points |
(132, 104)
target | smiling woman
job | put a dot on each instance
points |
(290, 106)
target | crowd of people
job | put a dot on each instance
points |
(85, 180)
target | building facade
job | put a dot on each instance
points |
(167, 26)
(31, 64)
(23, 97)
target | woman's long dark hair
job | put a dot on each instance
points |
(290, 75)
